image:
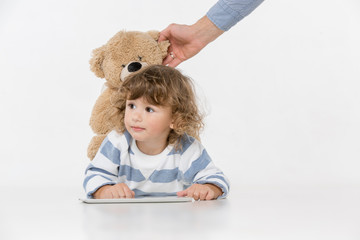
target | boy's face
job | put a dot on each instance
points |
(147, 123)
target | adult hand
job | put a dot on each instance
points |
(187, 40)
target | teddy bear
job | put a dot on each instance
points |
(124, 54)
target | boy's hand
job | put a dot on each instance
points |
(120, 190)
(201, 192)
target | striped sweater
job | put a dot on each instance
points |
(115, 162)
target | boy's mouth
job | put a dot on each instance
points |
(137, 129)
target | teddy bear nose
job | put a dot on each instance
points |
(134, 66)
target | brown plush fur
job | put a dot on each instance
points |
(108, 62)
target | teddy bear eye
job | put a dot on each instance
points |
(140, 58)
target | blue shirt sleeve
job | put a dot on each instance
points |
(226, 13)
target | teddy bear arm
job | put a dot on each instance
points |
(94, 145)
(102, 114)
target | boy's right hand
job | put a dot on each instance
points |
(120, 190)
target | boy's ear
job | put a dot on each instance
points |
(172, 124)
(96, 61)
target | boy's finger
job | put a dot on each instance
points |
(120, 191)
(115, 194)
(203, 194)
(190, 192)
(182, 193)
(128, 192)
(196, 195)
(107, 194)
(110, 194)
(210, 195)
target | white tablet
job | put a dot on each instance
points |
(170, 199)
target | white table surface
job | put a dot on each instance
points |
(327, 212)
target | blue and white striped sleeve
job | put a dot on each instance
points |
(103, 170)
(202, 170)
(226, 13)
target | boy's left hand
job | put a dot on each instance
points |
(201, 192)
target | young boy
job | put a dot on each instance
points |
(155, 151)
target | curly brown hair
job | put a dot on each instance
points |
(163, 86)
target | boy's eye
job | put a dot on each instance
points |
(149, 109)
(131, 106)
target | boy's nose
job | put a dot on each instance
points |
(136, 117)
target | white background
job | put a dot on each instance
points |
(281, 88)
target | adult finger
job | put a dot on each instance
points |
(165, 34)
(175, 62)
(171, 61)
(167, 60)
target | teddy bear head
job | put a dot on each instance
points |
(125, 53)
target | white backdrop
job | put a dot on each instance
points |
(281, 88)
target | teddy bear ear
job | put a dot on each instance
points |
(154, 34)
(96, 61)
(164, 45)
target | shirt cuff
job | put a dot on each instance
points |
(223, 16)
(226, 14)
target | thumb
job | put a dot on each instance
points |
(161, 38)
(164, 34)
